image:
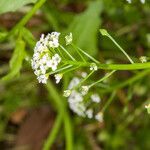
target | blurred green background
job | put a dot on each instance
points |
(28, 109)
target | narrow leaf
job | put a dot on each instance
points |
(13, 5)
(16, 60)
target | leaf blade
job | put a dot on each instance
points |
(9, 6)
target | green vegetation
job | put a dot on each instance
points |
(110, 42)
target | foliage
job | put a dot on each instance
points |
(7, 6)
(122, 80)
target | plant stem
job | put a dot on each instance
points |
(122, 50)
(71, 69)
(52, 136)
(61, 108)
(59, 70)
(78, 52)
(26, 18)
(109, 101)
(68, 132)
(105, 33)
(135, 66)
(102, 79)
(67, 53)
(127, 82)
(89, 56)
(84, 79)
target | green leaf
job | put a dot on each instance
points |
(28, 37)
(2, 35)
(13, 5)
(86, 26)
(16, 60)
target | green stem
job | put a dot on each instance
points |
(67, 53)
(52, 136)
(61, 108)
(102, 79)
(59, 70)
(71, 69)
(105, 33)
(109, 101)
(89, 56)
(122, 50)
(78, 52)
(68, 132)
(84, 79)
(127, 82)
(26, 18)
(135, 66)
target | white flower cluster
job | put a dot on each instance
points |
(95, 98)
(76, 100)
(130, 1)
(42, 59)
(58, 77)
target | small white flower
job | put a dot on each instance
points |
(93, 66)
(49, 63)
(73, 83)
(58, 77)
(89, 113)
(67, 93)
(83, 74)
(34, 64)
(56, 58)
(53, 44)
(53, 39)
(36, 56)
(143, 59)
(55, 35)
(52, 64)
(42, 69)
(78, 108)
(75, 97)
(99, 117)
(95, 98)
(84, 90)
(42, 79)
(68, 39)
(76, 103)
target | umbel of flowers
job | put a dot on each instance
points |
(43, 59)
(81, 102)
